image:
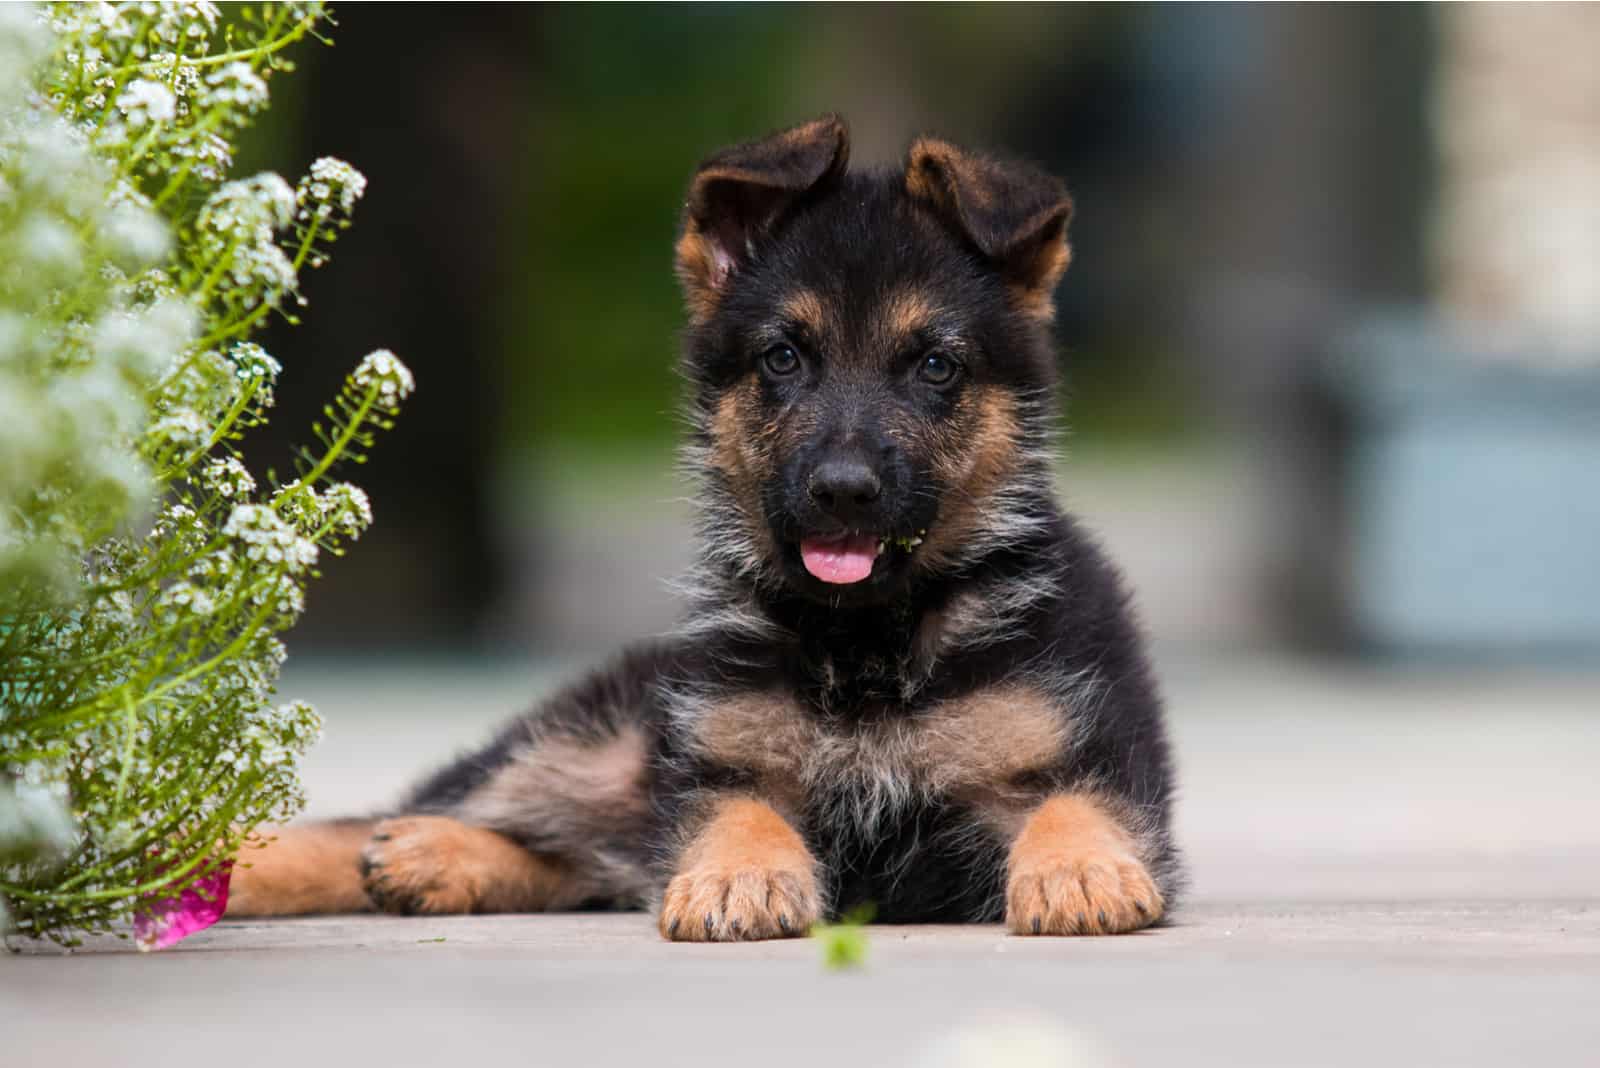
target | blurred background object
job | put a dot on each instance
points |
(1278, 207)
(1475, 467)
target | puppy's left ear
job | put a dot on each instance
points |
(741, 192)
(1015, 213)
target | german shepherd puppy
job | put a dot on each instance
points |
(905, 676)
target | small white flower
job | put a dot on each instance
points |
(382, 369)
(331, 181)
(145, 101)
(267, 536)
(23, 42)
(49, 244)
(227, 477)
(236, 84)
(348, 507)
(136, 234)
(145, 341)
(187, 598)
(238, 222)
(252, 361)
(241, 206)
(184, 428)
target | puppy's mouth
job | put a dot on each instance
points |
(842, 559)
(845, 559)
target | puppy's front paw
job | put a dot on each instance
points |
(1087, 894)
(746, 876)
(1073, 871)
(412, 865)
(433, 864)
(733, 905)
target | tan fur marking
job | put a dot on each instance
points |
(1074, 869)
(907, 311)
(970, 748)
(975, 464)
(433, 864)
(766, 734)
(807, 309)
(604, 780)
(928, 161)
(698, 271)
(728, 438)
(738, 454)
(303, 870)
(978, 745)
(1033, 290)
(747, 875)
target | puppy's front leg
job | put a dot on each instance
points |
(1074, 869)
(746, 874)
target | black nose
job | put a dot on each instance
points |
(844, 487)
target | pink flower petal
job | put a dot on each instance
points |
(165, 919)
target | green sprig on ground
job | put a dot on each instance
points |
(844, 944)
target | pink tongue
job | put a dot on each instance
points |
(840, 560)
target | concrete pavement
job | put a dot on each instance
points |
(1389, 868)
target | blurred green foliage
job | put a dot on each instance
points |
(631, 99)
(623, 101)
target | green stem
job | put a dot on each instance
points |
(342, 442)
(129, 735)
(255, 52)
(152, 638)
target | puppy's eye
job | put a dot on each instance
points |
(781, 360)
(937, 369)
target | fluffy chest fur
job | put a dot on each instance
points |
(853, 773)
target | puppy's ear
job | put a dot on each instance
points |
(740, 192)
(1013, 212)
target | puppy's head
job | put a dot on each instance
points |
(869, 357)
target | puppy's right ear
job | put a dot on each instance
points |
(740, 192)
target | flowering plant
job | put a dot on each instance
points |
(144, 573)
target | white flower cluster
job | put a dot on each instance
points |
(283, 594)
(24, 41)
(185, 599)
(144, 574)
(346, 509)
(237, 84)
(180, 431)
(179, 525)
(382, 369)
(282, 733)
(138, 235)
(179, 24)
(252, 361)
(266, 536)
(83, 332)
(227, 477)
(236, 232)
(331, 182)
(146, 102)
(143, 338)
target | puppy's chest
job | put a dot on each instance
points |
(973, 746)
